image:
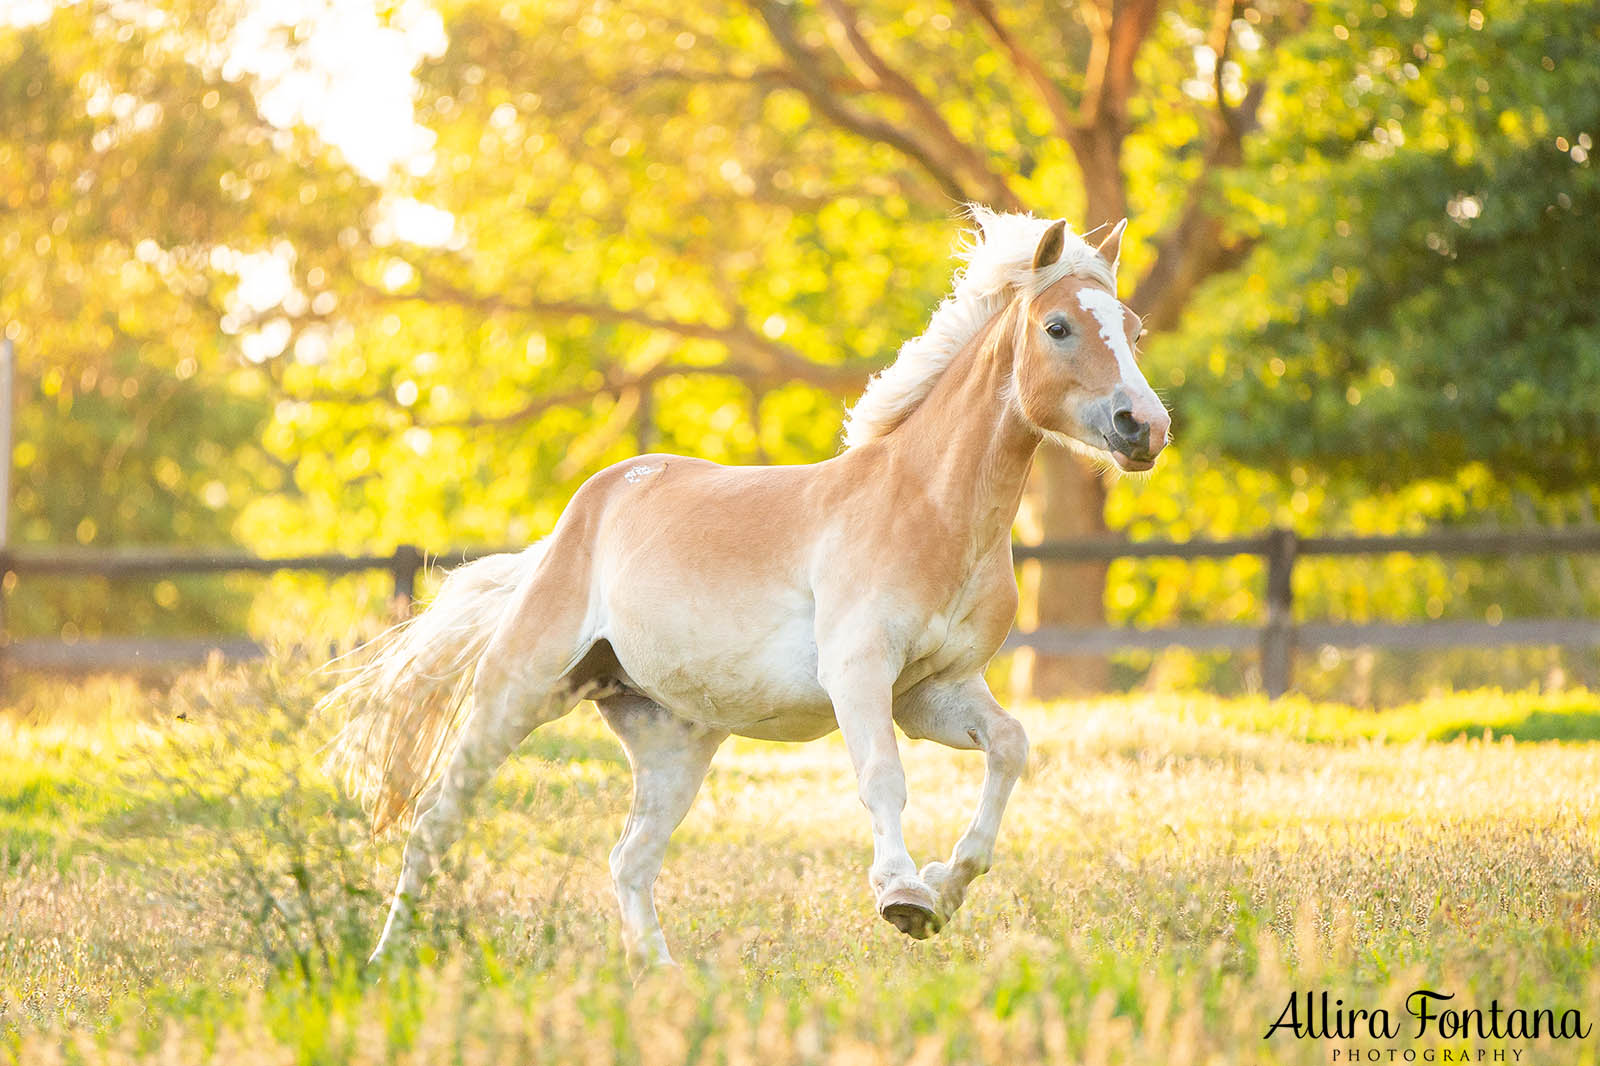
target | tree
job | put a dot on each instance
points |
(1422, 292)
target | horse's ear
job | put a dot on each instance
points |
(1050, 245)
(980, 217)
(1111, 248)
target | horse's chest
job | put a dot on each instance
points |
(962, 634)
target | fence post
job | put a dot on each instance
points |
(1277, 636)
(407, 561)
(8, 375)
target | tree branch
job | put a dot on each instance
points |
(615, 383)
(1219, 39)
(1194, 247)
(806, 71)
(551, 400)
(958, 153)
(1093, 128)
(755, 356)
(1119, 30)
(762, 77)
(1062, 110)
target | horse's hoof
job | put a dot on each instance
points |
(946, 888)
(658, 972)
(910, 909)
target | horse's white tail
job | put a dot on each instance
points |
(408, 698)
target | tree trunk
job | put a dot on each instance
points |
(1067, 501)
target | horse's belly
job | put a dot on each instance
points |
(754, 676)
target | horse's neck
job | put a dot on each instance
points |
(967, 443)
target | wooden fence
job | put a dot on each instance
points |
(1276, 637)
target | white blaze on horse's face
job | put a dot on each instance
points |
(1139, 421)
(1076, 375)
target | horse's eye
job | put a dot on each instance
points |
(1057, 328)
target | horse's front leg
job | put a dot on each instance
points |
(860, 685)
(965, 715)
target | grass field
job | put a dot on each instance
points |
(179, 884)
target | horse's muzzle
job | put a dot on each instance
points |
(1134, 433)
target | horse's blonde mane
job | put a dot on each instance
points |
(998, 257)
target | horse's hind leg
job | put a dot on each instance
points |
(517, 688)
(669, 758)
(965, 715)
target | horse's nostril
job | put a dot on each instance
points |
(1126, 425)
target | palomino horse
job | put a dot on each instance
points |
(691, 601)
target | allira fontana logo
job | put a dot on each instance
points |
(1427, 1016)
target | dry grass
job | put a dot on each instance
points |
(188, 891)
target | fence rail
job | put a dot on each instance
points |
(1275, 638)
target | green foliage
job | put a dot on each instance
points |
(1420, 298)
(135, 177)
